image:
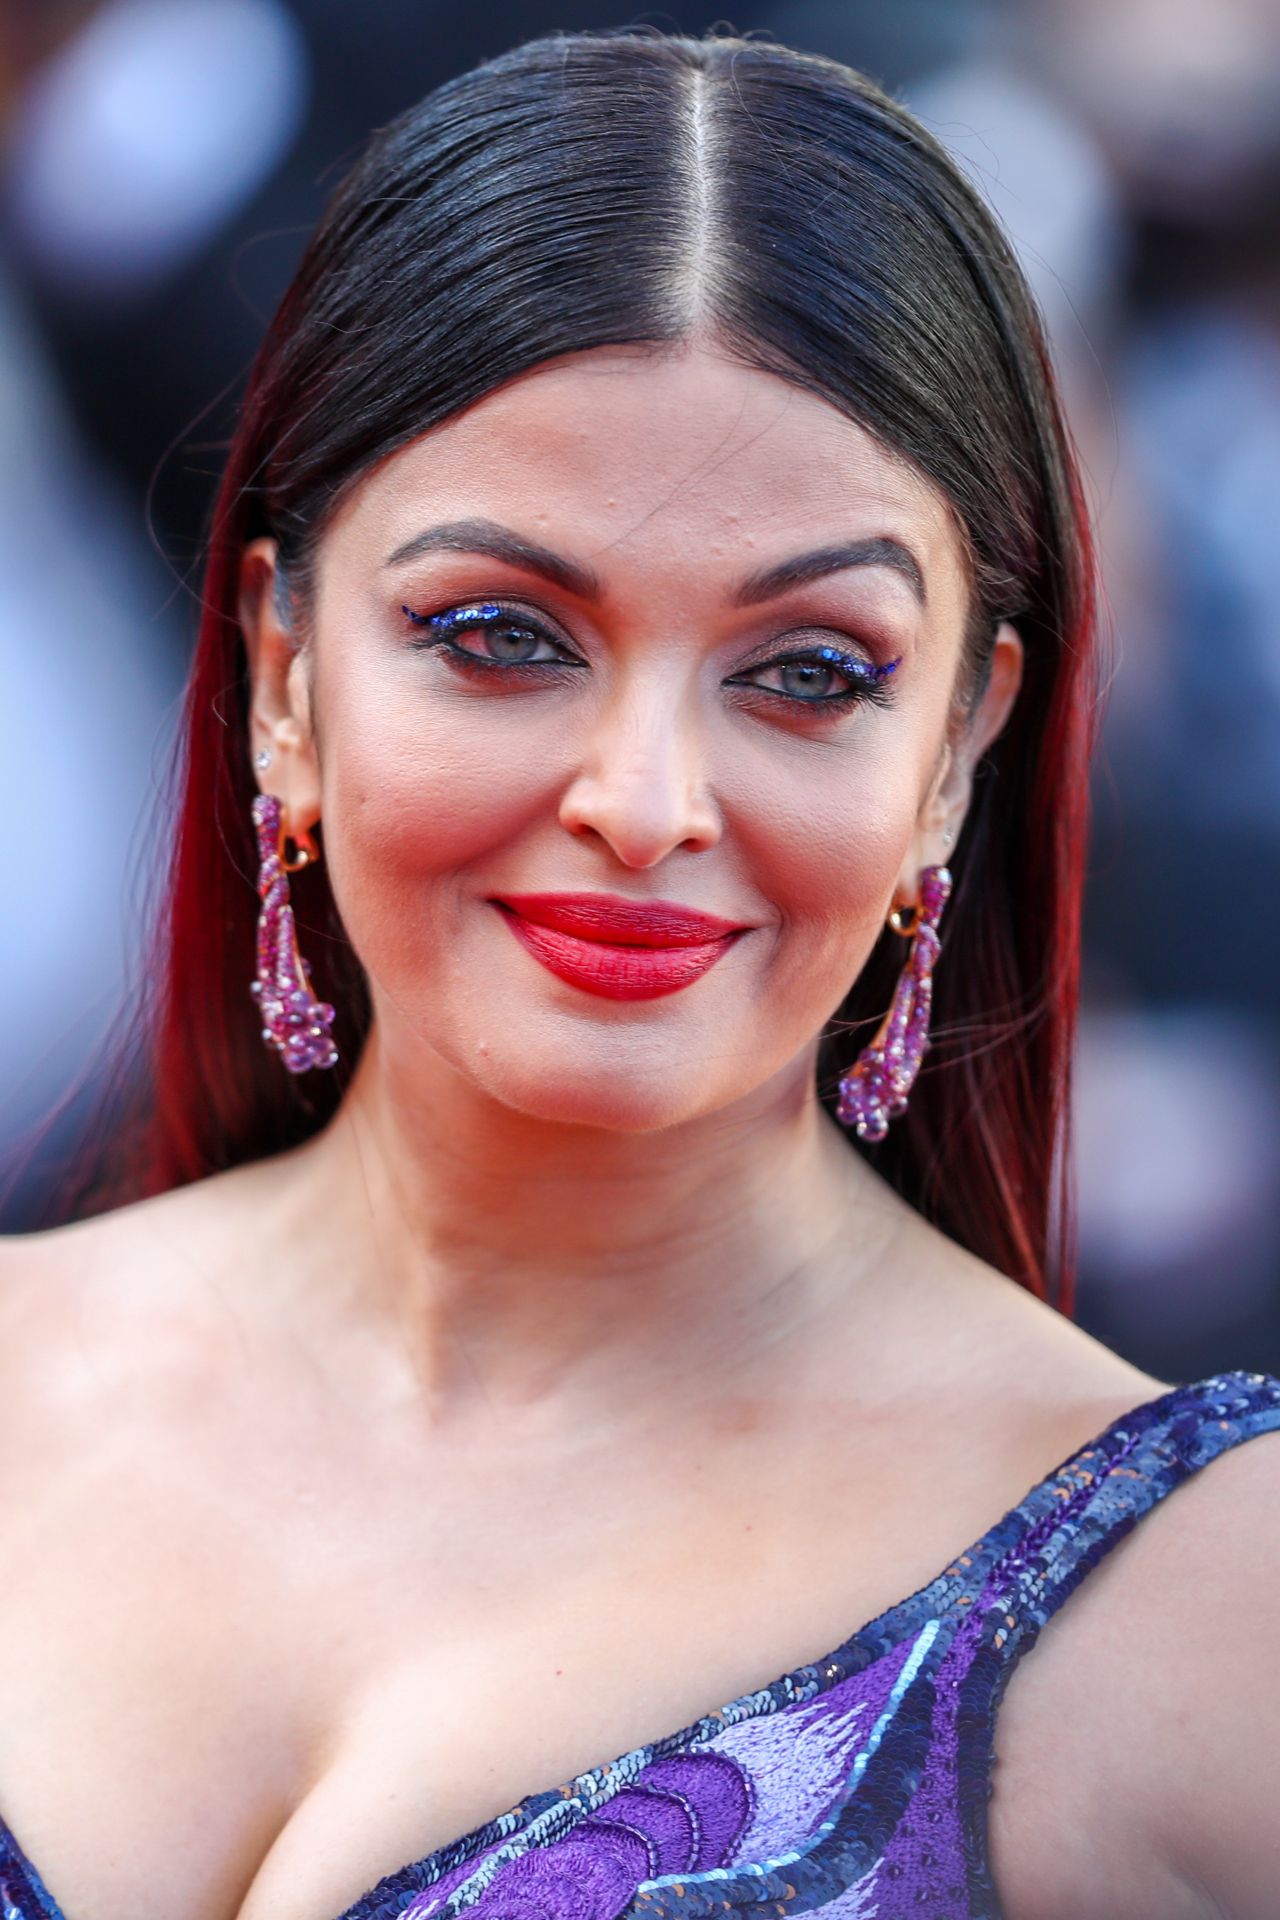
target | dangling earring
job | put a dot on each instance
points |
(294, 1022)
(876, 1086)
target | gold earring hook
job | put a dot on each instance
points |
(308, 852)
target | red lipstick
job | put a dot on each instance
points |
(621, 949)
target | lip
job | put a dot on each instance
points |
(620, 949)
(610, 918)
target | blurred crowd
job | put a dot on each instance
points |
(161, 162)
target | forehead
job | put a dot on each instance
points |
(633, 459)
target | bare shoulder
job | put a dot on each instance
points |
(94, 1312)
(1209, 1580)
(1159, 1679)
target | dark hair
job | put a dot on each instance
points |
(592, 189)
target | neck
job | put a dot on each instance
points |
(565, 1273)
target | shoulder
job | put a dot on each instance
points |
(1160, 1678)
(1148, 1716)
(1145, 1724)
(115, 1317)
(1213, 1577)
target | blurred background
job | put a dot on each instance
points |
(161, 163)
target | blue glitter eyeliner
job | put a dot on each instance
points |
(455, 617)
(858, 671)
(832, 657)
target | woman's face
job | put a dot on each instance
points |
(702, 640)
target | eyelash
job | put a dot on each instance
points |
(868, 684)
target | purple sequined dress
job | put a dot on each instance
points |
(857, 1786)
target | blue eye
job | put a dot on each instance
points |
(507, 638)
(821, 677)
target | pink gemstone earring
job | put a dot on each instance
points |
(294, 1022)
(876, 1086)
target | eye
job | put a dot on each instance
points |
(489, 637)
(821, 676)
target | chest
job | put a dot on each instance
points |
(263, 1702)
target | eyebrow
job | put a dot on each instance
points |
(500, 543)
(882, 551)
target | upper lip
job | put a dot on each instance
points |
(615, 921)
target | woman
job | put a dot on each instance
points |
(651, 554)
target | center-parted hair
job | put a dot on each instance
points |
(594, 189)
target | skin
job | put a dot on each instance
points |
(573, 1296)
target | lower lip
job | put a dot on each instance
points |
(616, 973)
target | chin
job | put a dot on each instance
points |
(608, 1098)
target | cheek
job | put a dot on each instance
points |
(826, 851)
(417, 791)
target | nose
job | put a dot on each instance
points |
(641, 786)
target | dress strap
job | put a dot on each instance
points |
(1099, 1495)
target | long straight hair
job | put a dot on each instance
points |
(632, 187)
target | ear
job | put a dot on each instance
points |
(947, 802)
(280, 714)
